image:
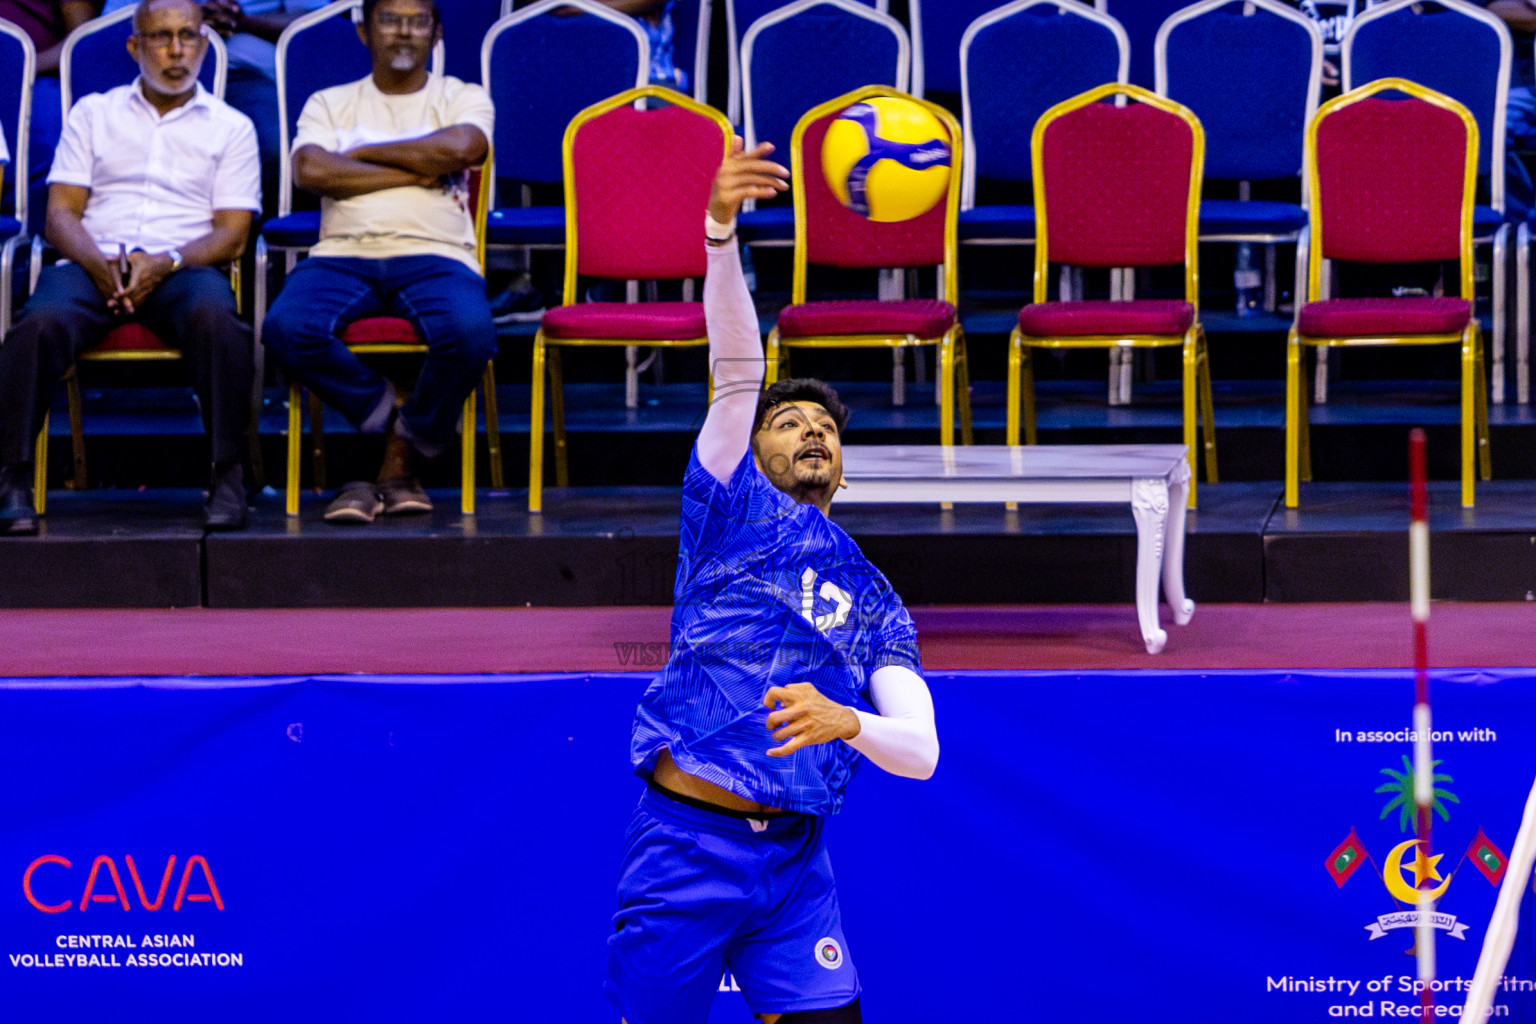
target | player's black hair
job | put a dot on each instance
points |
(369, 5)
(802, 389)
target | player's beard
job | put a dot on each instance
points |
(815, 477)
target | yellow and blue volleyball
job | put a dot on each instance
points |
(887, 158)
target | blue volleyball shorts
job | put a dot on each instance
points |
(702, 892)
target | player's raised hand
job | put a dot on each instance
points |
(804, 718)
(745, 174)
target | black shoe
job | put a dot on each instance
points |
(225, 509)
(356, 502)
(519, 303)
(18, 515)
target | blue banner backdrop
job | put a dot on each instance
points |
(1095, 847)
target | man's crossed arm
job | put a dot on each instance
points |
(375, 167)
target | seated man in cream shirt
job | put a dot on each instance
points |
(390, 156)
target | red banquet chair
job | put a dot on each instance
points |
(829, 234)
(391, 335)
(1117, 186)
(1391, 181)
(636, 182)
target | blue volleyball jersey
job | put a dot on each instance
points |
(769, 592)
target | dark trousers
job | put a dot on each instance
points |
(442, 297)
(193, 310)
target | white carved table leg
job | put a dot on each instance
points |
(1149, 504)
(1173, 556)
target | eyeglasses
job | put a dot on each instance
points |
(416, 24)
(162, 38)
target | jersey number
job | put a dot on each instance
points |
(832, 592)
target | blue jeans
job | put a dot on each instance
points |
(442, 297)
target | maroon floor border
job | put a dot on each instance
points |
(202, 641)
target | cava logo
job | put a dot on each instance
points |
(1409, 869)
(50, 876)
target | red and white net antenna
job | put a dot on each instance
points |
(1423, 762)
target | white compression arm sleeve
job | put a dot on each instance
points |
(735, 360)
(902, 738)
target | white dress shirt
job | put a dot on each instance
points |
(156, 181)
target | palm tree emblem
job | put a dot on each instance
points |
(1402, 786)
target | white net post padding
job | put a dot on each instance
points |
(1500, 939)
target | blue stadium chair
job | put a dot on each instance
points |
(740, 16)
(1016, 63)
(95, 58)
(833, 47)
(465, 23)
(936, 33)
(542, 69)
(691, 21)
(1142, 19)
(1251, 73)
(691, 26)
(19, 59)
(1462, 51)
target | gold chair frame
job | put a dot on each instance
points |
(546, 350)
(1474, 398)
(1196, 362)
(954, 374)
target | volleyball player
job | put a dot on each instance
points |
(792, 660)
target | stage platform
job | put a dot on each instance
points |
(152, 436)
(607, 547)
(134, 539)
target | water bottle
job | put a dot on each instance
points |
(1247, 280)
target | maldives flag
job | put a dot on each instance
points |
(1487, 858)
(1345, 858)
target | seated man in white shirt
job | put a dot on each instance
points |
(250, 31)
(389, 155)
(165, 175)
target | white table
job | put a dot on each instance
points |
(1152, 478)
